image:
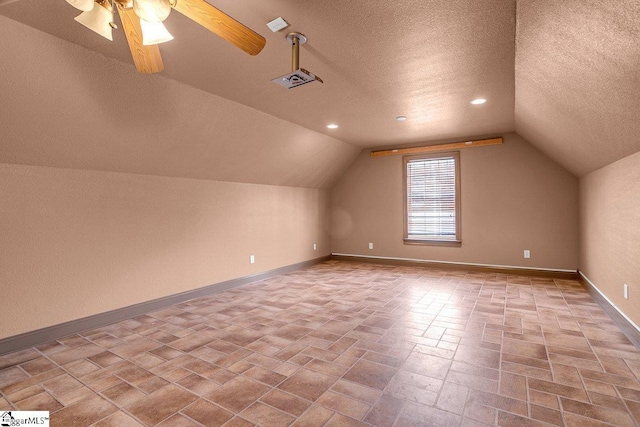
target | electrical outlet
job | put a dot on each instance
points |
(370, 245)
(252, 259)
(315, 247)
(626, 291)
(527, 253)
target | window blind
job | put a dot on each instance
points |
(431, 199)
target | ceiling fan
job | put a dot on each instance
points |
(142, 24)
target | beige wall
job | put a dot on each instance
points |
(164, 210)
(610, 232)
(76, 243)
(513, 198)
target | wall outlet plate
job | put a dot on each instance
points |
(315, 246)
(626, 291)
(252, 259)
(527, 253)
(370, 245)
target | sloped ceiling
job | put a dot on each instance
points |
(562, 73)
(578, 80)
(75, 108)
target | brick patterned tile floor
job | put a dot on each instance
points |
(345, 344)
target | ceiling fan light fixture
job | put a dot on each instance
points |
(99, 19)
(83, 5)
(152, 10)
(154, 33)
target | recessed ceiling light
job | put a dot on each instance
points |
(401, 118)
(478, 101)
(332, 126)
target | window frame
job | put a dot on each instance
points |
(457, 242)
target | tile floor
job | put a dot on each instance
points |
(345, 344)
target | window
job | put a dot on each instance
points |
(432, 199)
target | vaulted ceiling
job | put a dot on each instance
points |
(578, 80)
(565, 74)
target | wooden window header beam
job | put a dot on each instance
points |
(440, 147)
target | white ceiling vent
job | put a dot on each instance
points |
(277, 24)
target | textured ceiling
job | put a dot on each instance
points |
(65, 106)
(563, 73)
(379, 59)
(578, 80)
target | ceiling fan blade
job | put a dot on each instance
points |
(146, 58)
(221, 24)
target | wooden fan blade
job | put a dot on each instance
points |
(146, 58)
(221, 24)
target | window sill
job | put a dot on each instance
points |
(424, 242)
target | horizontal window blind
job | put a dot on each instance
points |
(431, 199)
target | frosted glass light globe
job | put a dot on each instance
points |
(83, 5)
(152, 10)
